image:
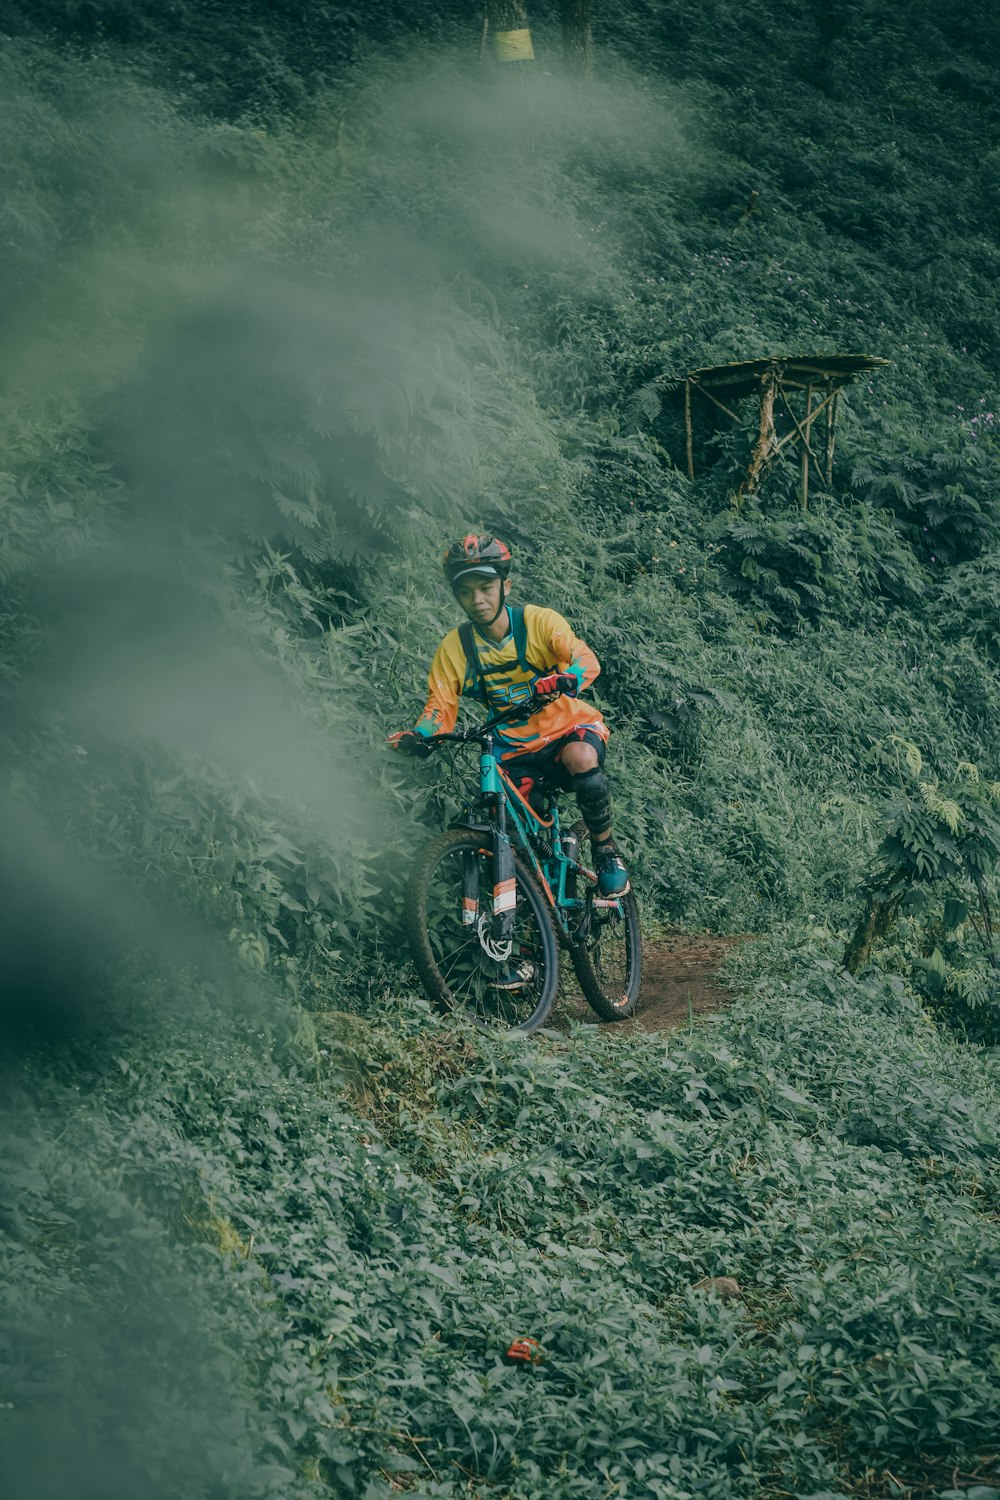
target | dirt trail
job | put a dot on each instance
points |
(679, 979)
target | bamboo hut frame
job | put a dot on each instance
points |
(779, 379)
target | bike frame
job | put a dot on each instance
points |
(551, 866)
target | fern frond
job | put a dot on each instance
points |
(289, 459)
(643, 404)
(752, 540)
(893, 485)
(296, 510)
(914, 760)
(943, 808)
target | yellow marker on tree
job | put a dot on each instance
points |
(513, 46)
(507, 22)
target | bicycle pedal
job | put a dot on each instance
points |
(608, 903)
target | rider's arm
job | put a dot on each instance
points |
(444, 687)
(552, 638)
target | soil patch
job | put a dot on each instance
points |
(680, 979)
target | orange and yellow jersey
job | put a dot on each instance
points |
(550, 646)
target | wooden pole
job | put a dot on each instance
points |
(508, 23)
(805, 448)
(831, 422)
(688, 428)
(720, 404)
(798, 433)
(765, 446)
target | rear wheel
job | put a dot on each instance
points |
(608, 956)
(507, 984)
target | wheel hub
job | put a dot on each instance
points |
(499, 949)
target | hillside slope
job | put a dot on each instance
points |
(289, 298)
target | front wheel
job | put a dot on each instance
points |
(607, 956)
(505, 984)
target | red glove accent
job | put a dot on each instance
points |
(409, 742)
(556, 682)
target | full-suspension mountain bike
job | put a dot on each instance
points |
(490, 900)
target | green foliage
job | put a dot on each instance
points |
(785, 570)
(945, 501)
(356, 1219)
(970, 601)
(285, 311)
(942, 837)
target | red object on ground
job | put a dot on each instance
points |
(525, 1351)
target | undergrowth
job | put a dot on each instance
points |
(281, 317)
(365, 1213)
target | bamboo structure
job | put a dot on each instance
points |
(814, 381)
(766, 445)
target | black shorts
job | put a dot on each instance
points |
(544, 767)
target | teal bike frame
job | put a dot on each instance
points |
(539, 838)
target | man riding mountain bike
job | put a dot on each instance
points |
(506, 654)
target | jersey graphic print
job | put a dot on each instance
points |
(550, 646)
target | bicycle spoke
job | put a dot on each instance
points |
(609, 961)
(472, 943)
(498, 991)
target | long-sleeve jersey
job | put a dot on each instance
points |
(551, 647)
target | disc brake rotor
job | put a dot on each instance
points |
(499, 950)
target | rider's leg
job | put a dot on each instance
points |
(577, 762)
(590, 787)
(570, 763)
(581, 759)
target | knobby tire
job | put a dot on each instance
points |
(455, 970)
(608, 963)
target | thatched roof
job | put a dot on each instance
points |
(743, 377)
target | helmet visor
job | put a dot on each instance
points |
(480, 570)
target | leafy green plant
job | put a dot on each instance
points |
(943, 500)
(970, 598)
(783, 567)
(943, 840)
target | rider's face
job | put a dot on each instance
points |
(480, 597)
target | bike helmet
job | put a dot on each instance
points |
(477, 554)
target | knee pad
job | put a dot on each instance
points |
(594, 797)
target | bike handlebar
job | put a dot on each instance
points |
(479, 731)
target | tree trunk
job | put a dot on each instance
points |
(507, 22)
(577, 38)
(881, 910)
(507, 15)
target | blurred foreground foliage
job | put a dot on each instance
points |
(365, 1212)
(282, 315)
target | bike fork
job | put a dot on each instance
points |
(504, 884)
(470, 889)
